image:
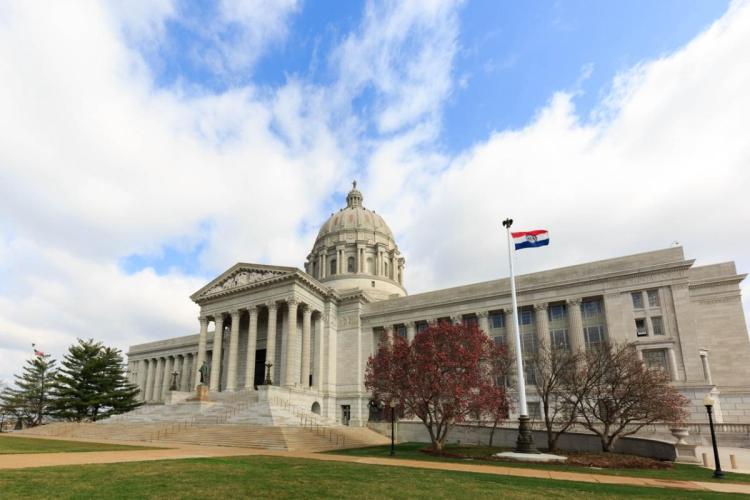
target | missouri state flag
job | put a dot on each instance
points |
(528, 239)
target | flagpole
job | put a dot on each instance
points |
(525, 442)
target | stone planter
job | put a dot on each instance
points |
(680, 433)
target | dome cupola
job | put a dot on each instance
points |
(354, 249)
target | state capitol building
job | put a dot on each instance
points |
(317, 327)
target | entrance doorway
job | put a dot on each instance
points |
(260, 367)
(346, 414)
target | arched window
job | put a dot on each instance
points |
(350, 265)
(333, 267)
(315, 408)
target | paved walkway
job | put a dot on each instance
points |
(18, 461)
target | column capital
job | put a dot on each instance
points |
(306, 309)
(235, 314)
(292, 301)
(573, 302)
(252, 308)
(410, 324)
(542, 306)
(271, 305)
(456, 318)
(508, 311)
(218, 316)
(482, 314)
(203, 319)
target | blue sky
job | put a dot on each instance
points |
(146, 146)
(511, 57)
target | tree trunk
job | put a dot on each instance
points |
(552, 438)
(492, 432)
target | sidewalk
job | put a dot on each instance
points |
(176, 452)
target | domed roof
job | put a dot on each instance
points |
(354, 217)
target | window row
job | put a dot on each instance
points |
(652, 298)
(641, 327)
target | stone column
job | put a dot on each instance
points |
(216, 354)
(306, 324)
(148, 392)
(158, 378)
(271, 340)
(234, 338)
(542, 326)
(252, 343)
(201, 350)
(483, 320)
(185, 374)
(575, 325)
(411, 331)
(167, 378)
(292, 360)
(142, 371)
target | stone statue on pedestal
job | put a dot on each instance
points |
(173, 385)
(204, 372)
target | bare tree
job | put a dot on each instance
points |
(555, 372)
(618, 395)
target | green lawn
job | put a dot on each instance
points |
(13, 444)
(269, 477)
(682, 472)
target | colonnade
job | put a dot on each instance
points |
(296, 352)
(154, 375)
(574, 324)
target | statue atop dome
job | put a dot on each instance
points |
(354, 198)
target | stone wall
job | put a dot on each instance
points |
(470, 434)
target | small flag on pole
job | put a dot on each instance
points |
(529, 239)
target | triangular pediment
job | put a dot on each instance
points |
(241, 276)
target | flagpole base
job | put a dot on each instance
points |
(525, 440)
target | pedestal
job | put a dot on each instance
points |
(525, 441)
(201, 393)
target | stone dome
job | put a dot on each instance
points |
(355, 248)
(354, 217)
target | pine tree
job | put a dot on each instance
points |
(31, 400)
(91, 383)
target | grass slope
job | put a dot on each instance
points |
(267, 477)
(16, 445)
(680, 472)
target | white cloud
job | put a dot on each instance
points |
(96, 164)
(668, 163)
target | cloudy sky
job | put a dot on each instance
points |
(146, 146)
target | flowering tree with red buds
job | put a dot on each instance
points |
(446, 375)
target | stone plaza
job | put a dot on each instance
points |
(309, 333)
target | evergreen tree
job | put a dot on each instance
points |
(91, 384)
(30, 400)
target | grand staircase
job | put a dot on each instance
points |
(239, 421)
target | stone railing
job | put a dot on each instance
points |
(310, 421)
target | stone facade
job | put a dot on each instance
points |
(318, 327)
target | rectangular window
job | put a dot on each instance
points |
(653, 298)
(594, 335)
(657, 325)
(529, 373)
(556, 312)
(529, 343)
(591, 308)
(535, 410)
(640, 327)
(656, 359)
(527, 318)
(637, 300)
(499, 340)
(401, 331)
(421, 326)
(559, 339)
(470, 320)
(497, 320)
